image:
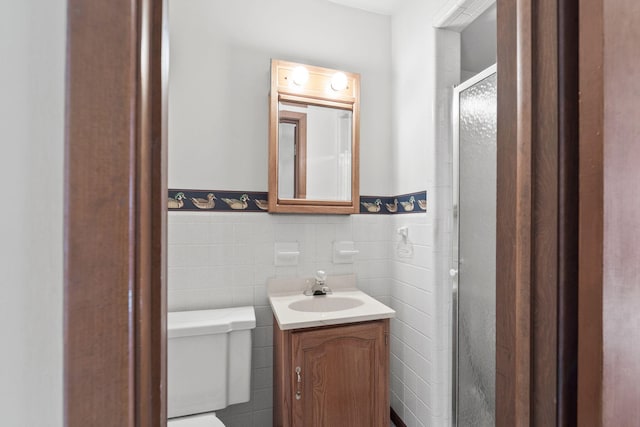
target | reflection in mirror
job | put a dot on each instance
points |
(313, 139)
(314, 152)
(292, 164)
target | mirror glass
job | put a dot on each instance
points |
(314, 152)
(313, 139)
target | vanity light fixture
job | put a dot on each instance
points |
(339, 81)
(300, 75)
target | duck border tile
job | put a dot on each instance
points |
(256, 201)
(224, 201)
(387, 203)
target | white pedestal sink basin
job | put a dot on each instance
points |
(346, 304)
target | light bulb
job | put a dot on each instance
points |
(339, 81)
(300, 75)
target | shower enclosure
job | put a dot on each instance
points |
(474, 248)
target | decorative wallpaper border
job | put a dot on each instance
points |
(256, 201)
(217, 201)
(403, 203)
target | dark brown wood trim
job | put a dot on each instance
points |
(159, 135)
(545, 219)
(99, 234)
(152, 213)
(537, 212)
(281, 397)
(114, 216)
(513, 244)
(590, 338)
(395, 418)
(568, 190)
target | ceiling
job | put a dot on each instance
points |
(384, 7)
(478, 39)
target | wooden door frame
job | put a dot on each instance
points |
(537, 212)
(115, 214)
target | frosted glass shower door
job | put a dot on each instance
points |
(474, 260)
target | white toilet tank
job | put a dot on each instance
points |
(208, 359)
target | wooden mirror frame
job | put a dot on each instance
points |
(316, 91)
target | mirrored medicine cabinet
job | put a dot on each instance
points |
(314, 118)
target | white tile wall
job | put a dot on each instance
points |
(224, 259)
(417, 356)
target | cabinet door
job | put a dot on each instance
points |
(343, 376)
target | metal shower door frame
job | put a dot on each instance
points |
(455, 231)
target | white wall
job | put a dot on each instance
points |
(426, 65)
(413, 62)
(32, 45)
(219, 84)
(478, 43)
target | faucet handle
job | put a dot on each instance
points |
(321, 276)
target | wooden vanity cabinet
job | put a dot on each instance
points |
(343, 376)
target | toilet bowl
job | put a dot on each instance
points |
(208, 363)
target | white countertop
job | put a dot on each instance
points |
(283, 293)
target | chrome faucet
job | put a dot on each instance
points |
(319, 287)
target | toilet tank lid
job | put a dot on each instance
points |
(204, 322)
